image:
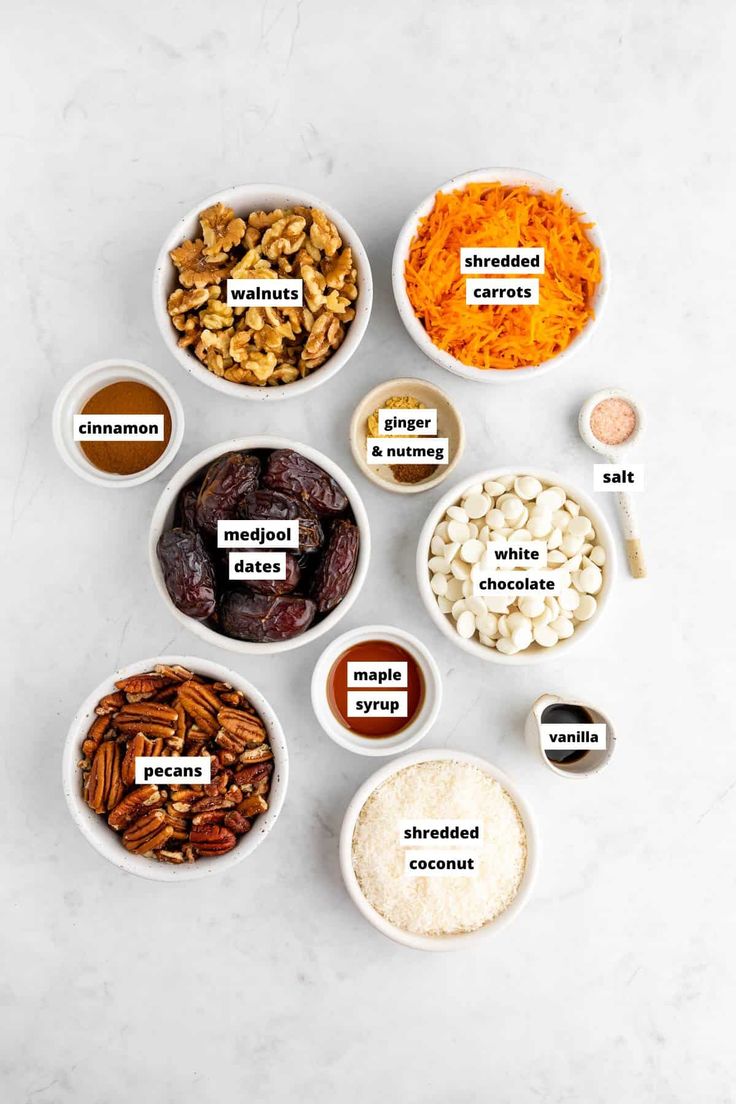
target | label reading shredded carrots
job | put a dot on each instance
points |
(496, 215)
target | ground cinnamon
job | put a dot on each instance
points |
(126, 457)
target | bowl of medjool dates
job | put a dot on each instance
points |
(254, 479)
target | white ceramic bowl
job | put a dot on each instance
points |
(386, 745)
(534, 654)
(460, 940)
(95, 828)
(415, 328)
(244, 199)
(77, 391)
(163, 516)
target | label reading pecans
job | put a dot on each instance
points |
(189, 768)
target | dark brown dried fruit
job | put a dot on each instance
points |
(263, 618)
(185, 512)
(292, 473)
(277, 506)
(279, 586)
(188, 572)
(227, 481)
(335, 570)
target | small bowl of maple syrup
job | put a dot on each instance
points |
(376, 690)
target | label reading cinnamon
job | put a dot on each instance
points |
(118, 427)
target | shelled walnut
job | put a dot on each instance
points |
(262, 346)
(172, 712)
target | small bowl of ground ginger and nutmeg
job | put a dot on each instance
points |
(433, 455)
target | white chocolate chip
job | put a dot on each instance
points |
(563, 626)
(532, 605)
(493, 488)
(587, 608)
(507, 647)
(569, 599)
(458, 531)
(545, 635)
(598, 556)
(495, 519)
(472, 551)
(438, 583)
(551, 499)
(591, 579)
(465, 625)
(579, 526)
(476, 505)
(527, 487)
(456, 513)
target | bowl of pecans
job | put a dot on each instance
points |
(270, 248)
(175, 768)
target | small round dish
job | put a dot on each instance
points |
(449, 425)
(370, 745)
(105, 841)
(243, 199)
(460, 940)
(534, 654)
(80, 388)
(416, 330)
(586, 430)
(162, 519)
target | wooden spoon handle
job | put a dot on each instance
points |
(635, 556)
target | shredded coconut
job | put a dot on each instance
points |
(444, 789)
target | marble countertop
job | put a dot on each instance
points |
(617, 981)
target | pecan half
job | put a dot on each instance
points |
(97, 730)
(143, 684)
(137, 802)
(202, 705)
(212, 839)
(239, 730)
(104, 787)
(147, 833)
(110, 703)
(151, 718)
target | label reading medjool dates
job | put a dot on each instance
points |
(256, 565)
(257, 534)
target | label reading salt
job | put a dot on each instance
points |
(256, 565)
(378, 673)
(476, 259)
(118, 427)
(499, 555)
(426, 863)
(519, 582)
(503, 292)
(363, 703)
(586, 736)
(618, 477)
(405, 423)
(193, 769)
(426, 831)
(407, 450)
(265, 293)
(258, 534)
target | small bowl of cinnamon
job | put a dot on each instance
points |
(117, 423)
(422, 460)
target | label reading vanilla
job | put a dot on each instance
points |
(407, 450)
(618, 477)
(584, 737)
(405, 423)
(256, 565)
(193, 769)
(118, 427)
(387, 703)
(265, 293)
(258, 534)
(482, 259)
(502, 292)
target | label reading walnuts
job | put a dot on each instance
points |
(265, 293)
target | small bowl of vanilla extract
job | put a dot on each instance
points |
(571, 737)
(376, 690)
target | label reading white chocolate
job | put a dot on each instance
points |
(407, 423)
(118, 427)
(618, 477)
(265, 293)
(477, 259)
(425, 832)
(386, 704)
(378, 673)
(532, 553)
(256, 565)
(519, 582)
(258, 534)
(193, 769)
(503, 292)
(440, 863)
(407, 450)
(586, 736)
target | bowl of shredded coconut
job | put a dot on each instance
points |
(438, 850)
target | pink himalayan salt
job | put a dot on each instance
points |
(613, 421)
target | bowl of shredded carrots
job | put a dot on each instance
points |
(501, 208)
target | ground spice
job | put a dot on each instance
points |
(126, 457)
(613, 421)
(402, 473)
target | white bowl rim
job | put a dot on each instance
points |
(458, 940)
(159, 384)
(232, 196)
(402, 741)
(503, 175)
(88, 822)
(184, 474)
(406, 488)
(604, 537)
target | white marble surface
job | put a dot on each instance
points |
(617, 982)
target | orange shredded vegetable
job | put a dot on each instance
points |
(502, 337)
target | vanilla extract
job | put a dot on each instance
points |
(574, 716)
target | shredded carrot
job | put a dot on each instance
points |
(502, 337)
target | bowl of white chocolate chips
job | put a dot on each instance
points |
(515, 566)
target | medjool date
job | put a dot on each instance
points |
(263, 618)
(227, 482)
(292, 473)
(335, 570)
(277, 506)
(185, 514)
(188, 572)
(279, 586)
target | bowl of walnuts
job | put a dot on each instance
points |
(282, 238)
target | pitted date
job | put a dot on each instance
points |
(227, 481)
(188, 572)
(335, 570)
(277, 506)
(263, 618)
(279, 586)
(185, 513)
(292, 473)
